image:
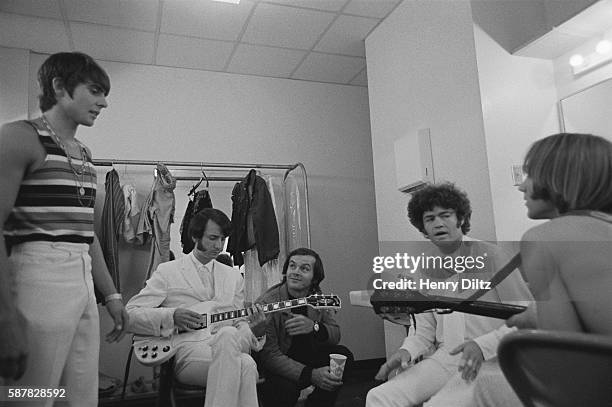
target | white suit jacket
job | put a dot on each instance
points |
(176, 284)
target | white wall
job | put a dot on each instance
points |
(187, 115)
(589, 111)
(13, 80)
(519, 106)
(422, 73)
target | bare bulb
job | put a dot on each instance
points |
(576, 60)
(603, 47)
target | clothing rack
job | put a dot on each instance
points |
(109, 162)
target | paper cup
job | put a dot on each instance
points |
(336, 364)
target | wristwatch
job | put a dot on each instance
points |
(316, 327)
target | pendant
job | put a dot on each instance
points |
(82, 191)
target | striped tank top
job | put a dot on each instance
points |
(49, 205)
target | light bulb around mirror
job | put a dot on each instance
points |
(576, 60)
(603, 47)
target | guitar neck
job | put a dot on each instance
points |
(489, 309)
(267, 308)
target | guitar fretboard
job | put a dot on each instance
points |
(273, 307)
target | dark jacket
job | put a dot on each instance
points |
(251, 202)
(273, 356)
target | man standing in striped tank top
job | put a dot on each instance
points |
(50, 258)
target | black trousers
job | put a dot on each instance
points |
(279, 391)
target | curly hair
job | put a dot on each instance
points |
(571, 170)
(444, 195)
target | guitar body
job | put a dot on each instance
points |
(154, 350)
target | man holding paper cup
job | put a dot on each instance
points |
(301, 348)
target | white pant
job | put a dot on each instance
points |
(426, 380)
(223, 365)
(54, 291)
(493, 389)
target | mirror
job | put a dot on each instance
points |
(589, 111)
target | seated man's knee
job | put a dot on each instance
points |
(227, 332)
(226, 339)
(375, 398)
(389, 394)
(247, 364)
(226, 335)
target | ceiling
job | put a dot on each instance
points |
(592, 22)
(313, 40)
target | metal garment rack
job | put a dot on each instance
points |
(109, 162)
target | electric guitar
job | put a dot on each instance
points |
(413, 302)
(154, 350)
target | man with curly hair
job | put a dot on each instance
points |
(452, 346)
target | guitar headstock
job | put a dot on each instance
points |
(324, 301)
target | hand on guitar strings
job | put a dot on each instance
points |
(187, 320)
(257, 320)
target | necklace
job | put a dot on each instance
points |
(78, 172)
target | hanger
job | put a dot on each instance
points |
(126, 178)
(202, 178)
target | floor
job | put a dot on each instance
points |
(353, 392)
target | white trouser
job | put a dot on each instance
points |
(492, 389)
(223, 365)
(426, 382)
(54, 291)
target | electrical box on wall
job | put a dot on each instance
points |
(414, 161)
(517, 175)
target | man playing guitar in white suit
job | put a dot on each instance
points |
(218, 360)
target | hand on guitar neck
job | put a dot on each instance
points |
(257, 320)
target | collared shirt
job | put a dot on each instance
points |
(205, 272)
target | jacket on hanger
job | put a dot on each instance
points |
(253, 220)
(201, 200)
